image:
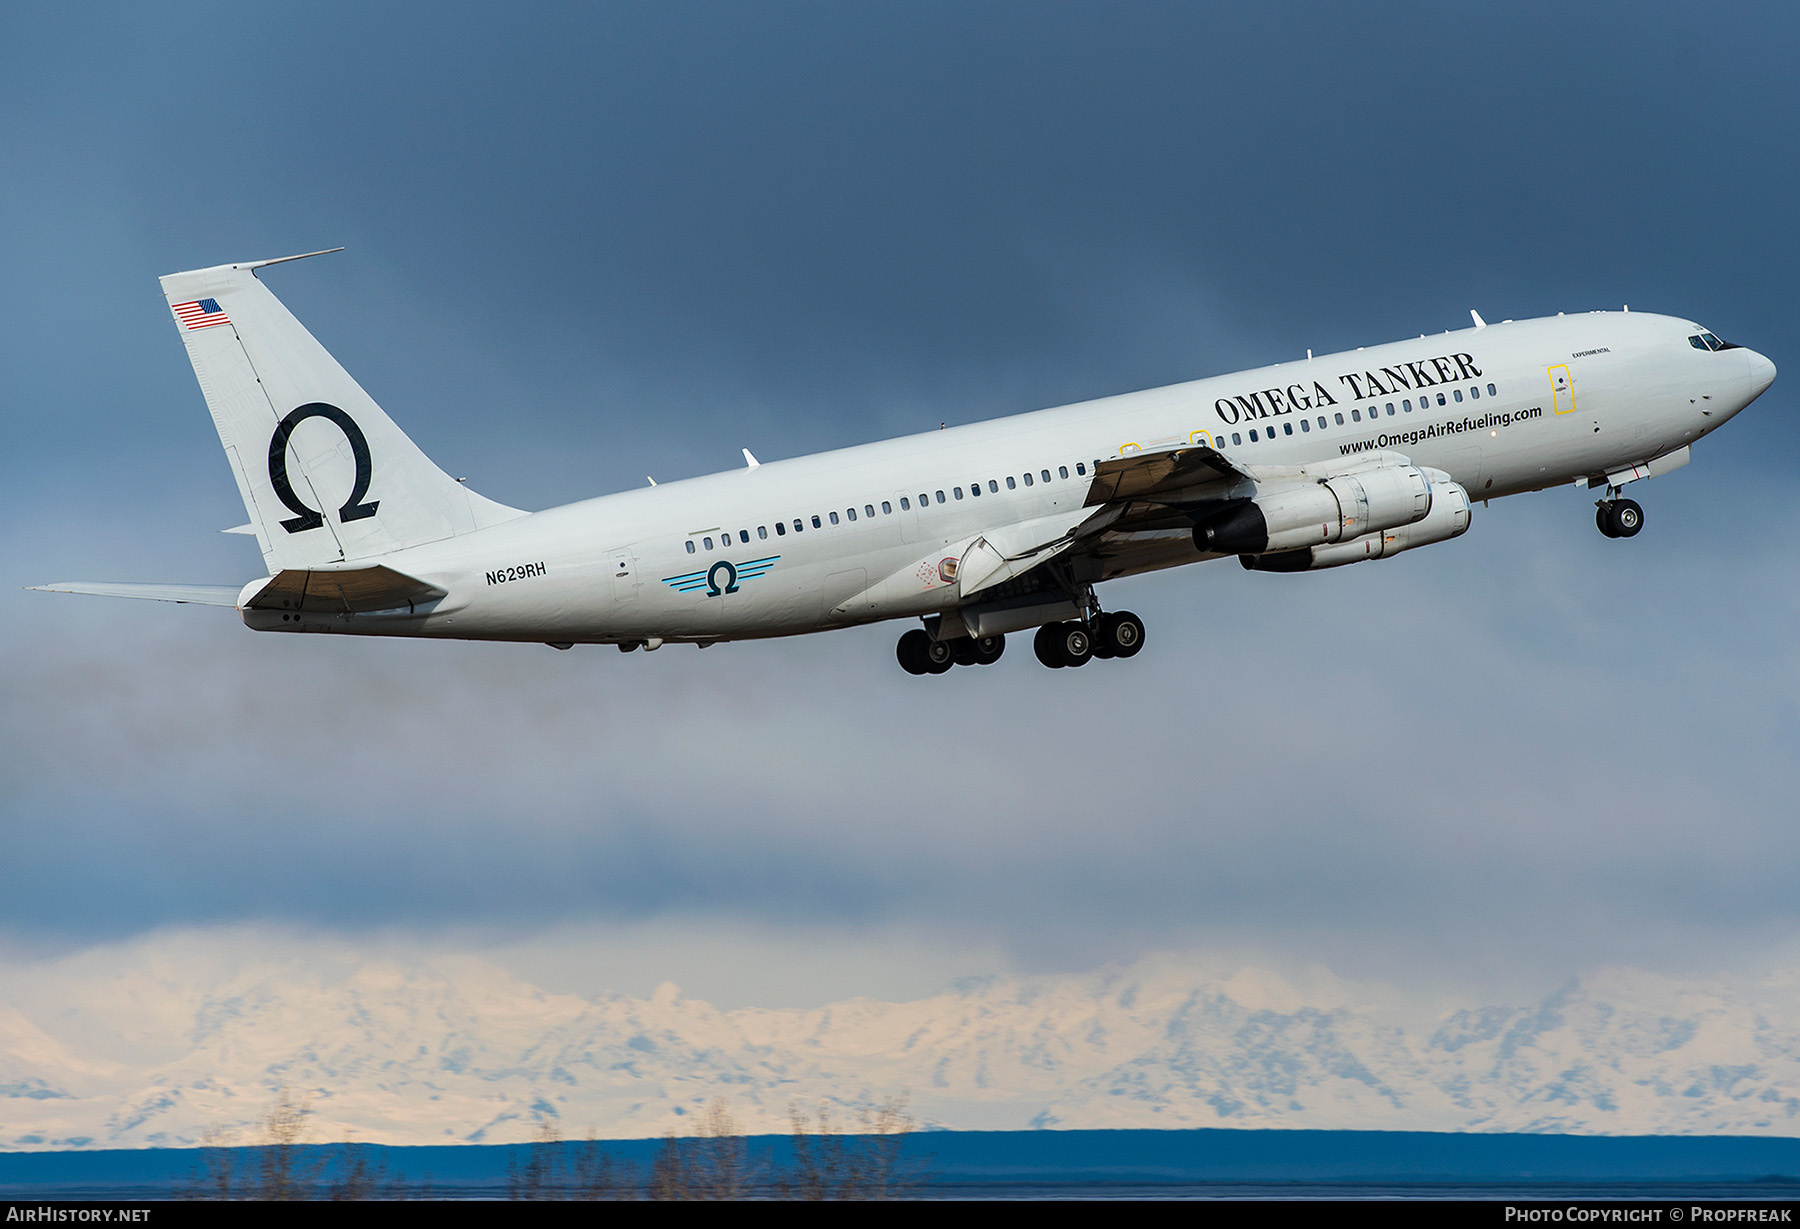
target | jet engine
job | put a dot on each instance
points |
(1301, 514)
(1448, 518)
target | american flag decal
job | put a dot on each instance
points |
(201, 314)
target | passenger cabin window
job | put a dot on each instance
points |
(850, 512)
(780, 530)
(1287, 428)
(1080, 468)
(1010, 484)
(1305, 425)
(1238, 439)
(762, 531)
(1440, 398)
(975, 489)
(887, 509)
(1321, 422)
(1046, 475)
(1457, 393)
(1027, 477)
(1063, 470)
(1491, 391)
(1355, 416)
(956, 491)
(816, 524)
(940, 495)
(1475, 392)
(1406, 405)
(834, 519)
(708, 542)
(744, 535)
(690, 546)
(868, 511)
(1339, 417)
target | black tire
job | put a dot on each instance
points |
(939, 657)
(965, 652)
(1122, 633)
(1044, 645)
(1075, 642)
(1603, 520)
(988, 649)
(912, 652)
(1626, 518)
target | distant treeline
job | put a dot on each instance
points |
(823, 1161)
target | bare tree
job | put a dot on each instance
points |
(218, 1167)
(355, 1177)
(865, 1164)
(282, 1171)
(536, 1178)
(712, 1165)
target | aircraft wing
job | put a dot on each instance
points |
(200, 595)
(1139, 492)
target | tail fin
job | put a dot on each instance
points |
(325, 474)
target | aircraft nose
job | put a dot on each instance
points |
(1762, 374)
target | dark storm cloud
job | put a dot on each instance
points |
(592, 243)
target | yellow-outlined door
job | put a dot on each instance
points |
(1562, 390)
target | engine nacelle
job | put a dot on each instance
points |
(1449, 518)
(1297, 515)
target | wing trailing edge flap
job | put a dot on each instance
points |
(1000, 554)
(1159, 476)
(342, 591)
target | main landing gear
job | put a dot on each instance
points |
(1618, 518)
(1120, 634)
(920, 654)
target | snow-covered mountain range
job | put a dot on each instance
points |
(457, 1049)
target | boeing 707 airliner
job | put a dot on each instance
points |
(974, 532)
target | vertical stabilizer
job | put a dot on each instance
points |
(325, 474)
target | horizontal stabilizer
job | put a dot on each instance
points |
(350, 591)
(200, 595)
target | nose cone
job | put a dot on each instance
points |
(1762, 374)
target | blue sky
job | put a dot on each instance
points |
(594, 242)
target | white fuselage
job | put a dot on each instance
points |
(1502, 409)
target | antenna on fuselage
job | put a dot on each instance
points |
(749, 460)
(1476, 316)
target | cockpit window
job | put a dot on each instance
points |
(1706, 341)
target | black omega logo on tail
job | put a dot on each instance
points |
(311, 518)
